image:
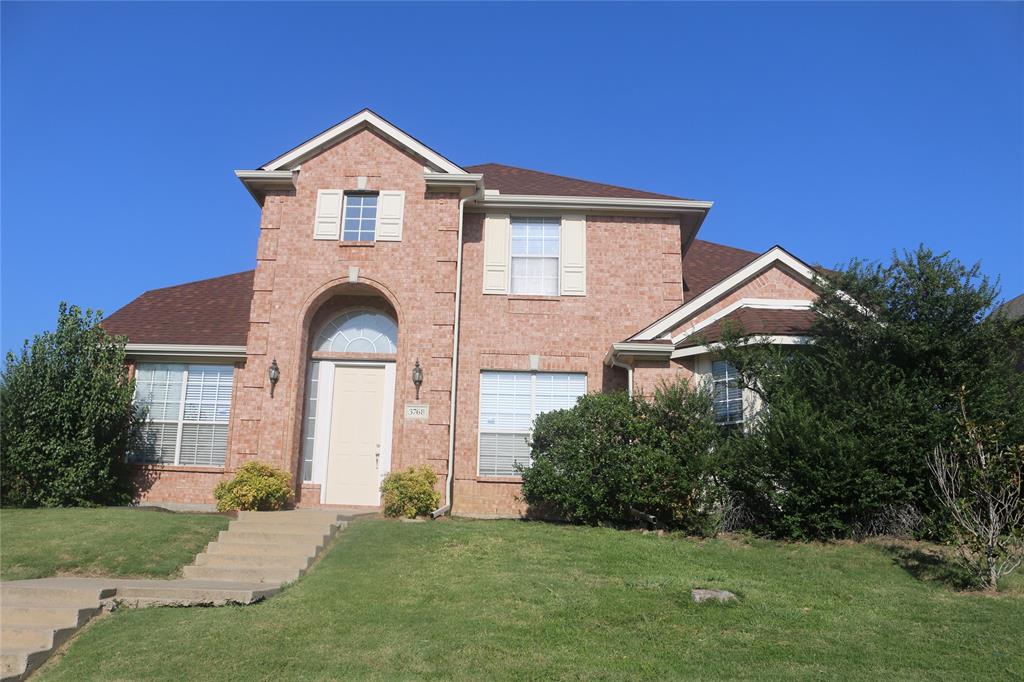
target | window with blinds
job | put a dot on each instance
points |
(187, 412)
(509, 402)
(728, 395)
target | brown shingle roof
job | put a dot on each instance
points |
(754, 321)
(707, 263)
(512, 180)
(211, 311)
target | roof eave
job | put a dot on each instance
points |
(259, 182)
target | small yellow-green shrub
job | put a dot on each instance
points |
(410, 492)
(256, 487)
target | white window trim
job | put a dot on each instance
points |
(558, 258)
(181, 421)
(533, 413)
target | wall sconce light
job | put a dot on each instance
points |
(274, 374)
(417, 378)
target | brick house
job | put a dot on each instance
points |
(509, 291)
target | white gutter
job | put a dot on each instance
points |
(529, 201)
(184, 350)
(450, 478)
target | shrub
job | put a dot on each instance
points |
(610, 457)
(256, 487)
(850, 417)
(410, 492)
(67, 417)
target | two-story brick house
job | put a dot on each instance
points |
(509, 292)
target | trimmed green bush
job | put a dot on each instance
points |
(256, 487)
(610, 457)
(67, 417)
(410, 492)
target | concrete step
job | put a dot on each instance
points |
(193, 592)
(258, 575)
(306, 539)
(28, 593)
(236, 548)
(293, 562)
(285, 528)
(47, 616)
(13, 664)
(291, 515)
(31, 637)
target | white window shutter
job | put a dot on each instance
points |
(327, 224)
(390, 213)
(496, 253)
(574, 255)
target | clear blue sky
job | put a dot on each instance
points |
(836, 130)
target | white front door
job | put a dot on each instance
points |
(355, 445)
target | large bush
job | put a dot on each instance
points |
(67, 417)
(410, 492)
(852, 418)
(256, 487)
(610, 457)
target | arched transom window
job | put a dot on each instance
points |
(359, 331)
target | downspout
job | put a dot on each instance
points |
(614, 361)
(450, 478)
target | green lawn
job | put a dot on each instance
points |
(36, 543)
(479, 600)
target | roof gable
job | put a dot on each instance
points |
(360, 121)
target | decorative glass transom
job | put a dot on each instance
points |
(359, 331)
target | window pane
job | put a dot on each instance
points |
(509, 402)
(158, 389)
(208, 395)
(728, 396)
(203, 444)
(156, 446)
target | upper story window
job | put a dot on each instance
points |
(187, 411)
(728, 395)
(536, 245)
(359, 331)
(360, 218)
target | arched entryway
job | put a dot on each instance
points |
(350, 397)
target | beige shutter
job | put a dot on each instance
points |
(327, 224)
(574, 255)
(496, 253)
(390, 213)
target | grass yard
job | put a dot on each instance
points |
(37, 543)
(480, 600)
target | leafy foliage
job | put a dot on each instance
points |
(850, 420)
(256, 487)
(609, 458)
(410, 492)
(67, 417)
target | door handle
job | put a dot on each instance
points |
(377, 457)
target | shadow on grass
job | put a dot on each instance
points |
(928, 564)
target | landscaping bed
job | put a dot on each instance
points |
(473, 600)
(122, 542)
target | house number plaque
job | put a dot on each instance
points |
(416, 412)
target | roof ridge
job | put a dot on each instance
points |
(569, 177)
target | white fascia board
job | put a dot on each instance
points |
(774, 255)
(258, 182)
(365, 117)
(638, 350)
(778, 340)
(145, 350)
(758, 303)
(542, 202)
(465, 184)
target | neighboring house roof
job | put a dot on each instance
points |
(1013, 309)
(707, 263)
(513, 180)
(208, 312)
(751, 322)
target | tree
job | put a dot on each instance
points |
(978, 482)
(67, 416)
(850, 417)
